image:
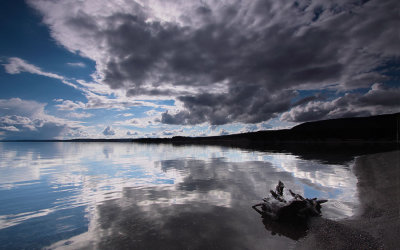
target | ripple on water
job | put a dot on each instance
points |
(68, 194)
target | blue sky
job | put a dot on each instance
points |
(152, 68)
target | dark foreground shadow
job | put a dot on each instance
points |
(293, 230)
(321, 233)
(377, 223)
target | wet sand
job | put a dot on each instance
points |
(376, 225)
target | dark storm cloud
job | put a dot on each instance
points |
(378, 100)
(308, 99)
(250, 104)
(259, 51)
(379, 95)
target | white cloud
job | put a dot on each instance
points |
(24, 119)
(79, 115)
(17, 106)
(171, 132)
(132, 133)
(77, 64)
(16, 65)
(142, 122)
(108, 131)
(70, 105)
(224, 132)
(98, 95)
(96, 101)
(9, 128)
(153, 113)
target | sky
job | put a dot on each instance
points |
(162, 68)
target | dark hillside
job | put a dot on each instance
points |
(373, 128)
(382, 128)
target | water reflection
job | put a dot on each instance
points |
(120, 195)
(293, 230)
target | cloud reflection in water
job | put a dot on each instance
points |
(152, 196)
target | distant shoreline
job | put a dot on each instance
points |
(381, 129)
(194, 141)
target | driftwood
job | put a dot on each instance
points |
(277, 208)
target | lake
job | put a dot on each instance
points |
(154, 196)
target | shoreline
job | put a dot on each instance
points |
(379, 193)
(355, 130)
(376, 224)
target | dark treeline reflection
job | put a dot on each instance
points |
(330, 153)
(139, 196)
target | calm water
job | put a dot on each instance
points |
(122, 195)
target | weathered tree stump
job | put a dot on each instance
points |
(279, 209)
